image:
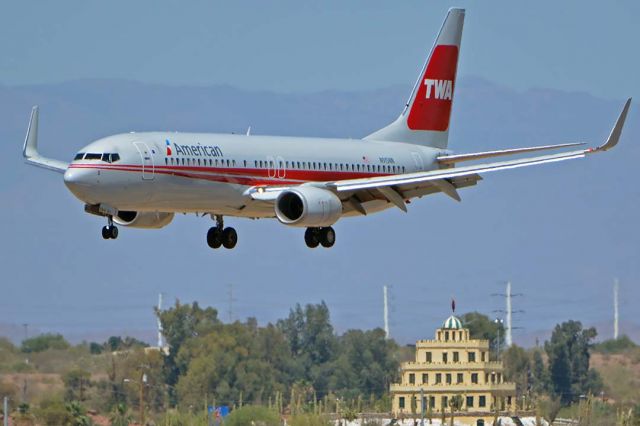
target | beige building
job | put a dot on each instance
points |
(452, 368)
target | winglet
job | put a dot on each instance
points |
(30, 149)
(614, 136)
(31, 140)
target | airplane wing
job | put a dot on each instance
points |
(398, 188)
(30, 150)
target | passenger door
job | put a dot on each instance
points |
(146, 160)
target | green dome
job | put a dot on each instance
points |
(452, 322)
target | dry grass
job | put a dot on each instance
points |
(621, 375)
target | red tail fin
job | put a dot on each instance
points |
(425, 119)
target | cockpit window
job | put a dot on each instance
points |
(92, 156)
(110, 158)
(78, 156)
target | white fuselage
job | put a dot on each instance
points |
(194, 172)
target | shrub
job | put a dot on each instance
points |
(252, 415)
(43, 342)
(308, 420)
(618, 345)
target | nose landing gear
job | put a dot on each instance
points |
(110, 232)
(320, 236)
(220, 236)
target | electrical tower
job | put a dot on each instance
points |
(508, 312)
(160, 337)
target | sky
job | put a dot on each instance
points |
(304, 47)
(293, 46)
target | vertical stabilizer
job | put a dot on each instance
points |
(425, 119)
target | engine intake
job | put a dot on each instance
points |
(307, 206)
(148, 220)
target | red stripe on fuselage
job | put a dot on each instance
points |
(248, 176)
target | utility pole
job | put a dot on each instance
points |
(508, 340)
(5, 413)
(143, 382)
(616, 312)
(422, 407)
(386, 313)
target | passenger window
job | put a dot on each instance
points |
(166, 160)
(78, 156)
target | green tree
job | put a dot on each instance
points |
(43, 342)
(482, 327)
(366, 363)
(517, 368)
(539, 373)
(312, 343)
(180, 323)
(76, 384)
(568, 353)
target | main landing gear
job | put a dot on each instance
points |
(323, 236)
(220, 236)
(110, 232)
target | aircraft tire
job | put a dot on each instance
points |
(106, 233)
(214, 238)
(229, 238)
(311, 237)
(327, 237)
(113, 232)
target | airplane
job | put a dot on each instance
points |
(142, 180)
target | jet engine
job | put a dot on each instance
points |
(307, 206)
(143, 219)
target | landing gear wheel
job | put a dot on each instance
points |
(109, 232)
(311, 237)
(327, 237)
(229, 238)
(214, 238)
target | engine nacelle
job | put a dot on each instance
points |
(308, 206)
(143, 219)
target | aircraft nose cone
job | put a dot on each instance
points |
(78, 181)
